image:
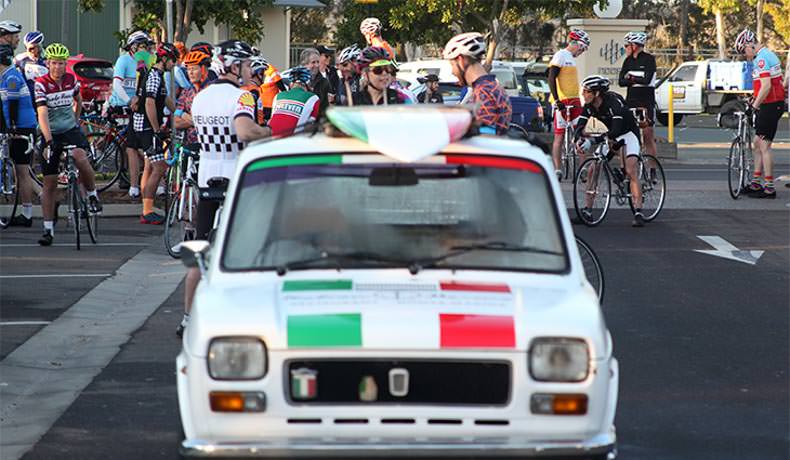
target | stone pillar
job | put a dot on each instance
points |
(607, 49)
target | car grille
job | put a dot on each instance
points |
(341, 381)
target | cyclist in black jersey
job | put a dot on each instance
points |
(638, 74)
(610, 109)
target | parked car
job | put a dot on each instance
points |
(535, 83)
(399, 289)
(94, 75)
(411, 70)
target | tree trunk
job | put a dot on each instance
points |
(720, 33)
(496, 32)
(186, 22)
(177, 27)
(683, 36)
(760, 4)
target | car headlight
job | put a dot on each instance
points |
(558, 359)
(237, 358)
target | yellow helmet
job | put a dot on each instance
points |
(56, 51)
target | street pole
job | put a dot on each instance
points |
(172, 88)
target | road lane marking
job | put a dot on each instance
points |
(34, 245)
(24, 323)
(41, 378)
(59, 275)
(726, 250)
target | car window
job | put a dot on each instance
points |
(287, 209)
(687, 73)
(426, 71)
(94, 70)
(449, 89)
(506, 78)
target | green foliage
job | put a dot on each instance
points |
(308, 25)
(779, 11)
(91, 5)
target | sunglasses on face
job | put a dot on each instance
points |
(380, 70)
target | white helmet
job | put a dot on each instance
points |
(579, 36)
(640, 38)
(9, 27)
(370, 26)
(258, 65)
(746, 37)
(467, 44)
(350, 53)
(137, 37)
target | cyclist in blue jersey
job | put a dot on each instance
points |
(18, 118)
(31, 63)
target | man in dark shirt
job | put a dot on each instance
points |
(639, 76)
(610, 109)
(327, 70)
(319, 85)
(431, 95)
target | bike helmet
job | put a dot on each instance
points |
(197, 57)
(469, 44)
(57, 52)
(579, 36)
(596, 83)
(258, 65)
(204, 47)
(427, 78)
(350, 53)
(9, 27)
(168, 50)
(232, 52)
(373, 56)
(6, 54)
(33, 38)
(298, 74)
(640, 38)
(746, 37)
(370, 26)
(136, 38)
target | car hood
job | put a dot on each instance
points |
(385, 313)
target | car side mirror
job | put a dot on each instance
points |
(193, 254)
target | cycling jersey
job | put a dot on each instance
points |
(394, 96)
(255, 90)
(613, 112)
(342, 93)
(213, 111)
(184, 105)
(493, 105)
(642, 81)
(767, 65)
(15, 94)
(381, 43)
(153, 88)
(293, 108)
(270, 87)
(125, 72)
(435, 98)
(568, 78)
(29, 66)
(58, 97)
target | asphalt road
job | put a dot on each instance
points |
(703, 342)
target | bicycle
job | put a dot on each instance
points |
(180, 218)
(77, 204)
(740, 160)
(569, 158)
(593, 270)
(592, 187)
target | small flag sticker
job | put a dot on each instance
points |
(368, 390)
(304, 383)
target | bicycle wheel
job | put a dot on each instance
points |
(592, 189)
(9, 192)
(748, 160)
(735, 169)
(593, 270)
(104, 154)
(654, 189)
(180, 222)
(91, 221)
(75, 209)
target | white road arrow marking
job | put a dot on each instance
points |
(724, 249)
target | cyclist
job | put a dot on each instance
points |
(638, 74)
(147, 123)
(258, 66)
(208, 49)
(768, 104)
(19, 117)
(465, 53)
(431, 94)
(31, 63)
(310, 58)
(371, 30)
(197, 64)
(327, 70)
(349, 77)
(610, 109)
(59, 103)
(564, 88)
(9, 33)
(223, 116)
(272, 84)
(379, 71)
(295, 107)
(124, 83)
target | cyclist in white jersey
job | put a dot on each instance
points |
(223, 115)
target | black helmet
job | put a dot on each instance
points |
(6, 54)
(167, 50)
(372, 54)
(596, 83)
(233, 51)
(427, 78)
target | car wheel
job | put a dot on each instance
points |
(663, 118)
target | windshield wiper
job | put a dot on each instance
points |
(337, 257)
(455, 251)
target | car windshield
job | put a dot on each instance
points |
(366, 211)
(94, 70)
(505, 77)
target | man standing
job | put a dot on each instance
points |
(349, 78)
(9, 33)
(564, 87)
(638, 74)
(320, 86)
(31, 63)
(768, 104)
(147, 121)
(371, 30)
(327, 70)
(431, 95)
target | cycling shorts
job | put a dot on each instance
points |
(206, 210)
(560, 124)
(144, 140)
(631, 144)
(18, 148)
(767, 121)
(74, 136)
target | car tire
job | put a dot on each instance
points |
(663, 118)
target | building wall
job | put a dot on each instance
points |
(91, 34)
(23, 12)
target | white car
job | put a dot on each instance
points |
(401, 291)
(503, 71)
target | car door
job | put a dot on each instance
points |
(686, 88)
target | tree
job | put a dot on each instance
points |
(780, 13)
(719, 8)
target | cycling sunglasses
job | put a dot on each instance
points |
(380, 70)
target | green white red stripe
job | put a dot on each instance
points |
(476, 331)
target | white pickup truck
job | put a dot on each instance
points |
(702, 87)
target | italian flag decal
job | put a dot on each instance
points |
(341, 330)
(473, 331)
